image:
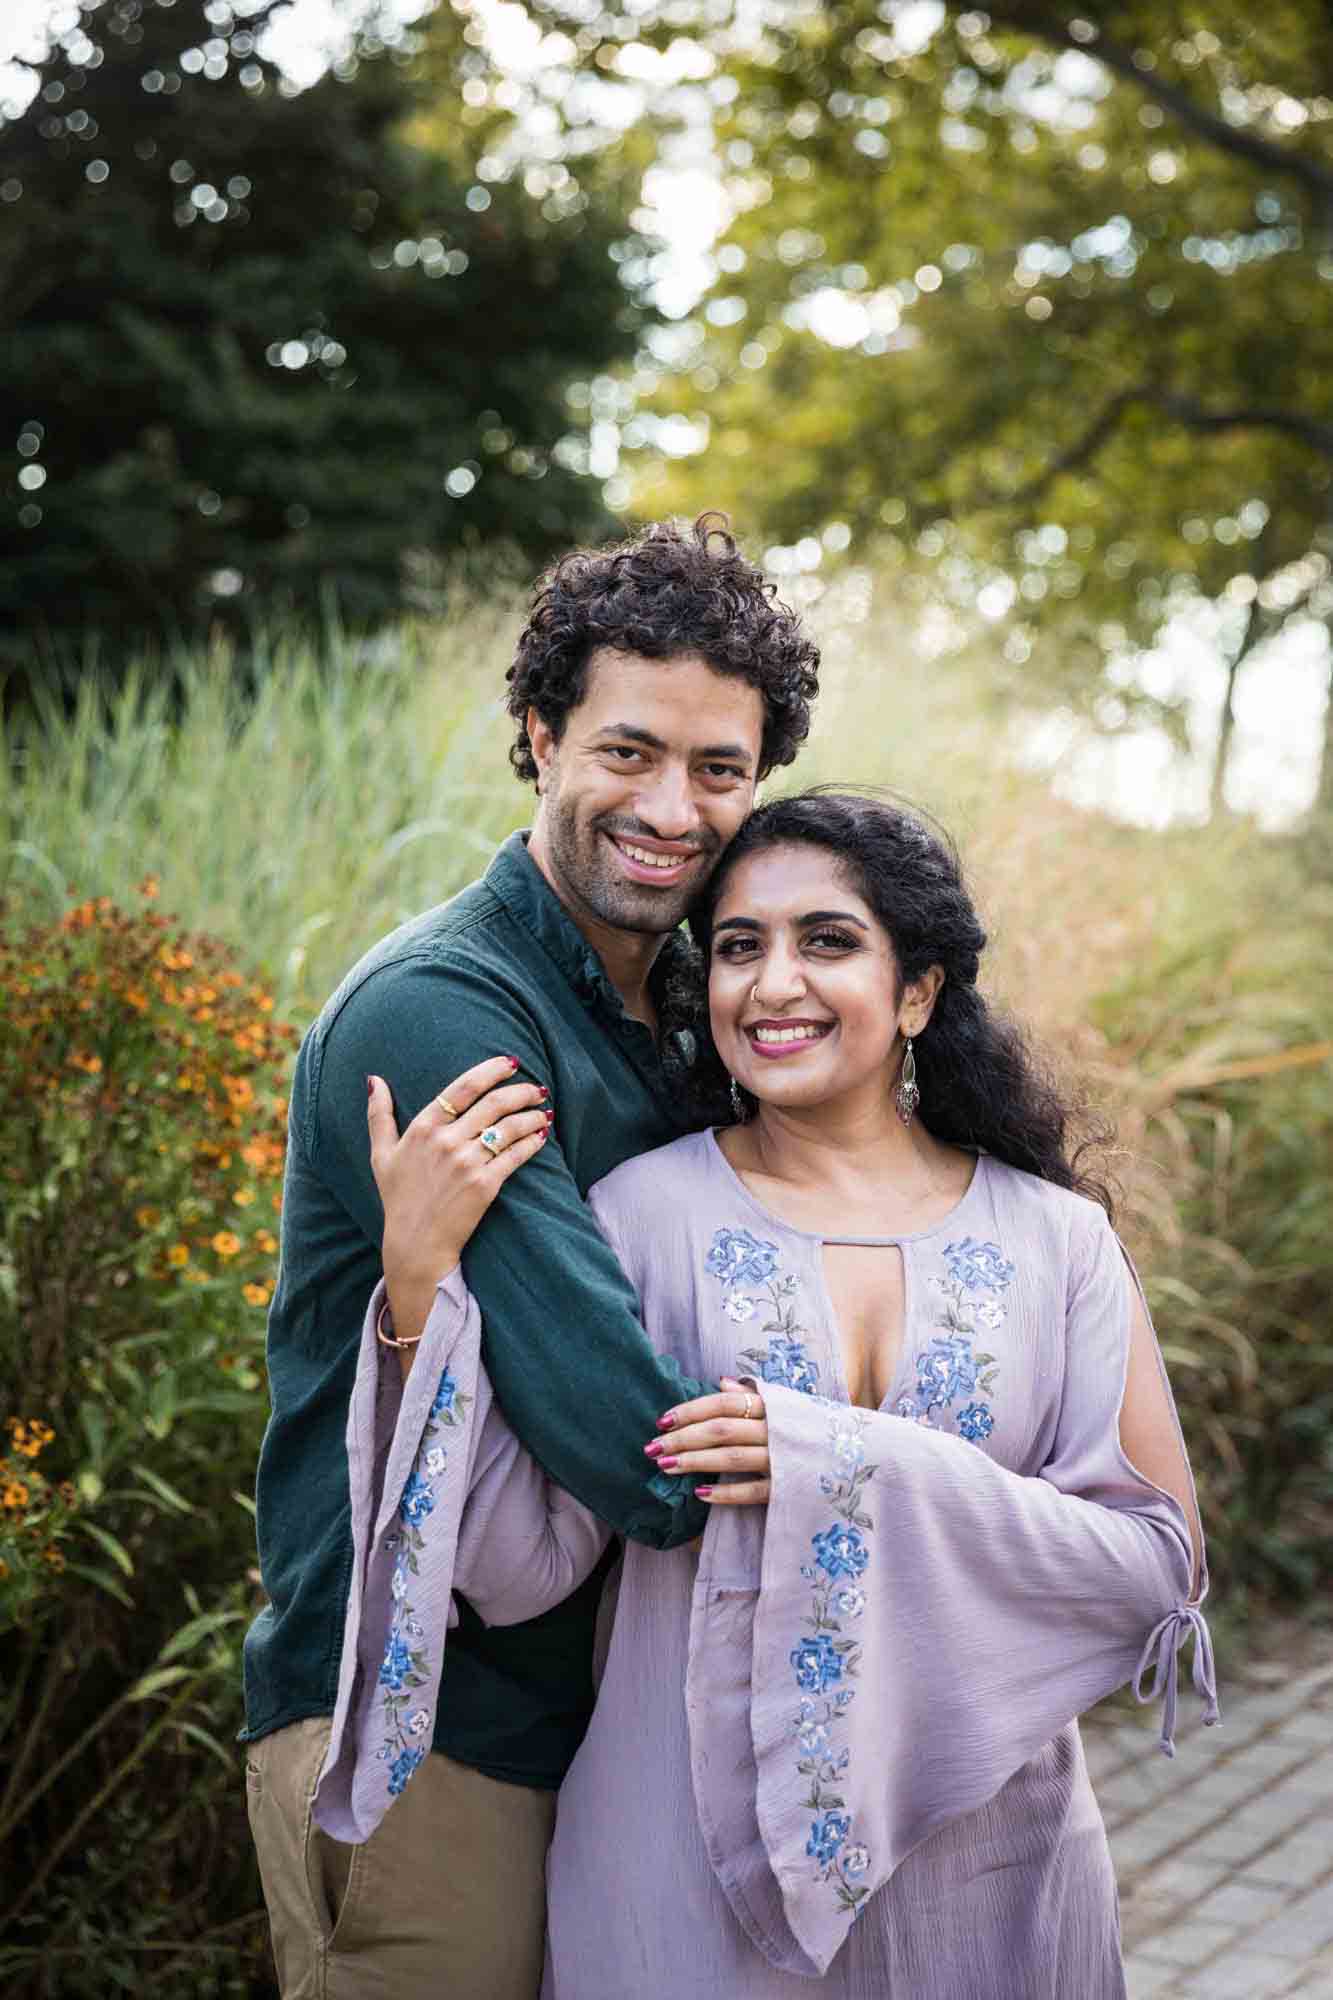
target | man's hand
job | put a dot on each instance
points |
(726, 1433)
(438, 1180)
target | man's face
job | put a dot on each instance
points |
(655, 771)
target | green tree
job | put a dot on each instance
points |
(1045, 295)
(254, 344)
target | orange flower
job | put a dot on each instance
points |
(53, 1557)
(240, 1091)
(147, 1218)
(90, 1065)
(243, 1197)
(15, 1494)
(266, 1241)
(225, 1243)
(149, 887)
(255, 1295)
(178, 1255)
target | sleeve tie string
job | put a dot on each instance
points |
(1161, 1650)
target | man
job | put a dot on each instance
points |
(653, 686)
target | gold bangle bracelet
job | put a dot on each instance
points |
(385, 1334)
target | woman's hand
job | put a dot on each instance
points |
(438, 1180)
(726, 1433)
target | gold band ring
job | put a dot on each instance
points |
(748, 1400)
(449, 1110)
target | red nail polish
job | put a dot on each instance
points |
(656, 1448)
(668, 1463)
(665, 1423)
(703, 1492)
(512, 1061)
(370, 1086)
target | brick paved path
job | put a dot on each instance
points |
(1225, 1853)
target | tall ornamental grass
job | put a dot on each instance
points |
(1186, 980)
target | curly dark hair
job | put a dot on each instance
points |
(667, 591)
(982, 1085)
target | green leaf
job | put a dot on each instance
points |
(166, 1493)
(155, 1682)
(105, 1539)
(197, 1629)
(93, 1419)
(104, 1581)
(210, 1742)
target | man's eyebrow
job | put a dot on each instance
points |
(810, 918)
(628, 731)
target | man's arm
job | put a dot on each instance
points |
(562, 1332)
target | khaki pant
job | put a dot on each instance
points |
(445, 1901)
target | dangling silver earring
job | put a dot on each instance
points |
(907, 1096)
(737, 1103)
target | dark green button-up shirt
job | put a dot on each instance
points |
(500, 970)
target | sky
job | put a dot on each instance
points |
(1281, 696)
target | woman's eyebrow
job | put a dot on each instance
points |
(803, 923)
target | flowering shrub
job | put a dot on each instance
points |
(34, 1514)
(142, 1141)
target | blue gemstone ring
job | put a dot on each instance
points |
(491, 1140)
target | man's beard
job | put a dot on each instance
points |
(581, 856)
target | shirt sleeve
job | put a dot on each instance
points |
(563, 1342)
(927, 1620)
(443, 1498)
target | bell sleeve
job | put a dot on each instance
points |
(927, 1620)
(443, 1498)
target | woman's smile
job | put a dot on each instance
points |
(774, 1040)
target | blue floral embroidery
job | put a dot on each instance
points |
(818, 1663)
(406, 1665)
(978, 1267)
(827, 1835)
(945, 1370)
(949, 1369)
(841, 1552)
(786, 1361)
(745, 1264)
(827, 1659)
(738, 1258)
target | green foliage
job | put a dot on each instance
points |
(1044, 300)
(256, 349)
(143, 1122)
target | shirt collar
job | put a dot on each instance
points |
(516, 879)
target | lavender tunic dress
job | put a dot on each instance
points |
(837, 1743)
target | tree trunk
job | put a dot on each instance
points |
(1251, 633)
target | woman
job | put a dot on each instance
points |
(838, 1742)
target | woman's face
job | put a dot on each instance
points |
(803, 992)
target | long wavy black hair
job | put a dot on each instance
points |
(983, 1087)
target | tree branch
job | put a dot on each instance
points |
(1317, 180)
(1196, 417)
(1187, 410)
(1075, 455)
